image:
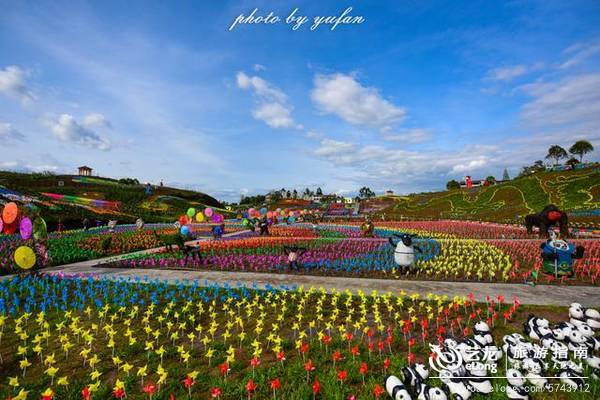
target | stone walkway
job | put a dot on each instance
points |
(589, 296)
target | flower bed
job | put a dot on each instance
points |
(101, 339)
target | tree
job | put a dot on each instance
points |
(453, 184)
(366, 192)
(532, 169)
(580, 148)
(572, 162)
(505, 176)
(556, 153)
(288, 194)
(491, 179)
(319, 192)
(295, 194)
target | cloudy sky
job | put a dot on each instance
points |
(419, 93)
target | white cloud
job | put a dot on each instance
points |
(572, 103)
(13, 84)
(67, 129)
(96, 120)
(20, 166)
(342, 95)
(507, 73)
(274, 114)
(415, 135)
(9, 133)
(272, 107)
(261, 87)
(259, 67)
(579, 53)
(385, 167)
(470, 166)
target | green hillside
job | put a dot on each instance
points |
(164, 204)
(505, 202)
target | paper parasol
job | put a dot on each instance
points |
(25, 228)
(208, 212)
(199, 217)
(25, 257)
(10, 213)
(191, 212)
(10, 228)
(40, 231)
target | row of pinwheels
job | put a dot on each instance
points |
(142, 339)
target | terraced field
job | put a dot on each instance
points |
(505, 202)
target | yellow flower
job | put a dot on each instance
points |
(51, 371)
(95, 374)
(62, 381)
(142, 371)
(13, 381)
(22, 395)
(24, 363)
(127, 367)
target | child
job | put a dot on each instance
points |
(293, 253)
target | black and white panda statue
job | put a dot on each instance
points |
(396, 389)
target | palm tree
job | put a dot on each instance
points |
(580, 148)
(556, 153)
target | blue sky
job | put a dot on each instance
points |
(419, 93)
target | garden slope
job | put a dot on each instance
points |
(504, 202)
(165, 203)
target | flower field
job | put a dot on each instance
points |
(72, 246)
(339, 250)
(101, 339)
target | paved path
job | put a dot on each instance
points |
(541, 294)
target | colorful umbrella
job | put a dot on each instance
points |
(25, 257)
(25, 228)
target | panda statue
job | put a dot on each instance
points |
(404, 251)
(396, 389)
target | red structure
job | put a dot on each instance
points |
(468, 182)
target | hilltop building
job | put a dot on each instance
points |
(85, 171)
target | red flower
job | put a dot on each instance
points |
(337, 356)
(386, 363)
(86, 394)
(378, 391)
(215, 392)
(308, 366)
(364, 368)
(342, 375)
(304, 347)
(411, 357)
(355, 351)
(316, 387)
(280, 356)
(255, 362)
(188, 382)
(349, 336)
(411, 342)
(351, 397)
(251, 386)
(326, 339)
(149, 388)
(224, 368)
(275, 384)
(171, 396)
(119, 393)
